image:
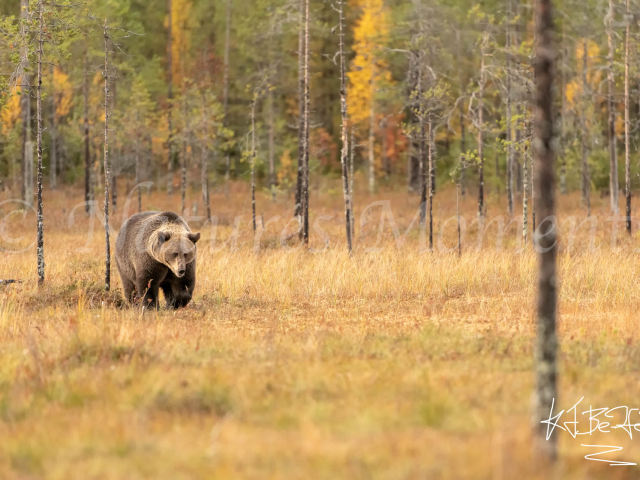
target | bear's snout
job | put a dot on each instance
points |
(181, 272)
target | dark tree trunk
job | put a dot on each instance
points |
(547, 342)
(53, 150)
(107, 168)
(627, 146)
(225, 93)
(611, 107)
(170, 145)
(301, 112)
(586, 179)
(88, 197)
(305, 173)
(508, 119)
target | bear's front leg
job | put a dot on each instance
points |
(148, 289)
(179, 291)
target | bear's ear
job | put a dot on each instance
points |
(194, 237)
(163, 237)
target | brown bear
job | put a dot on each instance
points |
(157, 250)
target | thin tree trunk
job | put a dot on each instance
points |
(627, 146)
(88, 190)
(170, 145)
(114, 180)
(563, 116)
(40, 240)
(586, 180)
(525, 200)
(225, 93)
(463, 136)
(272, 165)
(430, 137)
(185, 151)
(458, 217)
(305, 175)
(547, 341)
(508, 119)
(372, 139)
(611, 106)
(352, 145)
(421, 145)
(53, 164)
(386, 161)
(138, 172)
(344, 132)
(107, 169)
(205, 157)
(533, 197)
(301, 109)
(25, 103)
(481, 85)
(253, 162)
(271, 114)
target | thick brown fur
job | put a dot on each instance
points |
(157, 250)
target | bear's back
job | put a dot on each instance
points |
(135, 232)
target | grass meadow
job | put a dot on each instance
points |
(399, 362)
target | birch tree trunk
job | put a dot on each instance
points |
(547, 342)
(53, 164)
(225, 93)
(611, 106)
(107, 168)
(40, 240)
(25, 103)
(344, 132)
(627, 146)
(463, 136)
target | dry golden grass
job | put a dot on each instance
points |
(291, 364)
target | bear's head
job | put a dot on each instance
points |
(176, 250)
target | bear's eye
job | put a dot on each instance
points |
(175, 255)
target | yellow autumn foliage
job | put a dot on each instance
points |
(367, 68)
(594, 77)
(63, 93)
(10, 115)
(180, 30)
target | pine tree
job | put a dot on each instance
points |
(547, 341)
(611, 108)
(627, 139)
